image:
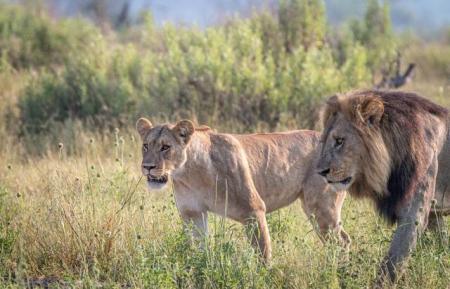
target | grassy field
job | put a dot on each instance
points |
(87, 221)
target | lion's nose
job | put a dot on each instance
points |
(149, 168)
(324, 172)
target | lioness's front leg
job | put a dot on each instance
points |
(413, 218)
(323, 207)
(195, 223)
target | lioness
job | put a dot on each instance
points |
(242, 177)
(394, 148)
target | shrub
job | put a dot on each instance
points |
(31, 39)
(376, 35)
(264, 71)
(302, 23)
(99, 87)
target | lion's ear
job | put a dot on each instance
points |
(184, 130)
(330, 109)
(370, 111)
(143, 125)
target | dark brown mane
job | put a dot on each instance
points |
(404, 133)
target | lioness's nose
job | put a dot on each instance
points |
(324, 172)
(148, 167)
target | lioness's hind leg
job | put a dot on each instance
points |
(258, 232)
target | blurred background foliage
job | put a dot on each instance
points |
(270, 70)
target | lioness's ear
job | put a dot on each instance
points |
(184, 130)
(143, 125)
(370, 111)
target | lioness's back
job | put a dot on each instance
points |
(293, 144)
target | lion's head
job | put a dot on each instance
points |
(354, 156)
(163, 149)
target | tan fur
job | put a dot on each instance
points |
(243, 177)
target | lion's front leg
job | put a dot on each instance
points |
(413, 219)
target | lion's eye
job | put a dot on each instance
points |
(165, 148)
(338, 142)
(145, 147)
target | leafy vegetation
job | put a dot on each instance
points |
(269, 71)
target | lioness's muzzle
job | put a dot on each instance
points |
(161, 179)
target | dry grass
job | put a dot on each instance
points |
(432, 74)
(86, 221)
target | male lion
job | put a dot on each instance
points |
(394, 148)
(242, 177)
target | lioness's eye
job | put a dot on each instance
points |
(164, 148)
(145, 147)
(339, 141)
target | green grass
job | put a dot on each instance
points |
(86, 221)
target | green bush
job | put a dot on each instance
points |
(31, 39)
(96, 87)
(262, 71)
(302, 23)
(376, 34)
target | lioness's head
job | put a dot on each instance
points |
(353, 150)
(163, 149)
